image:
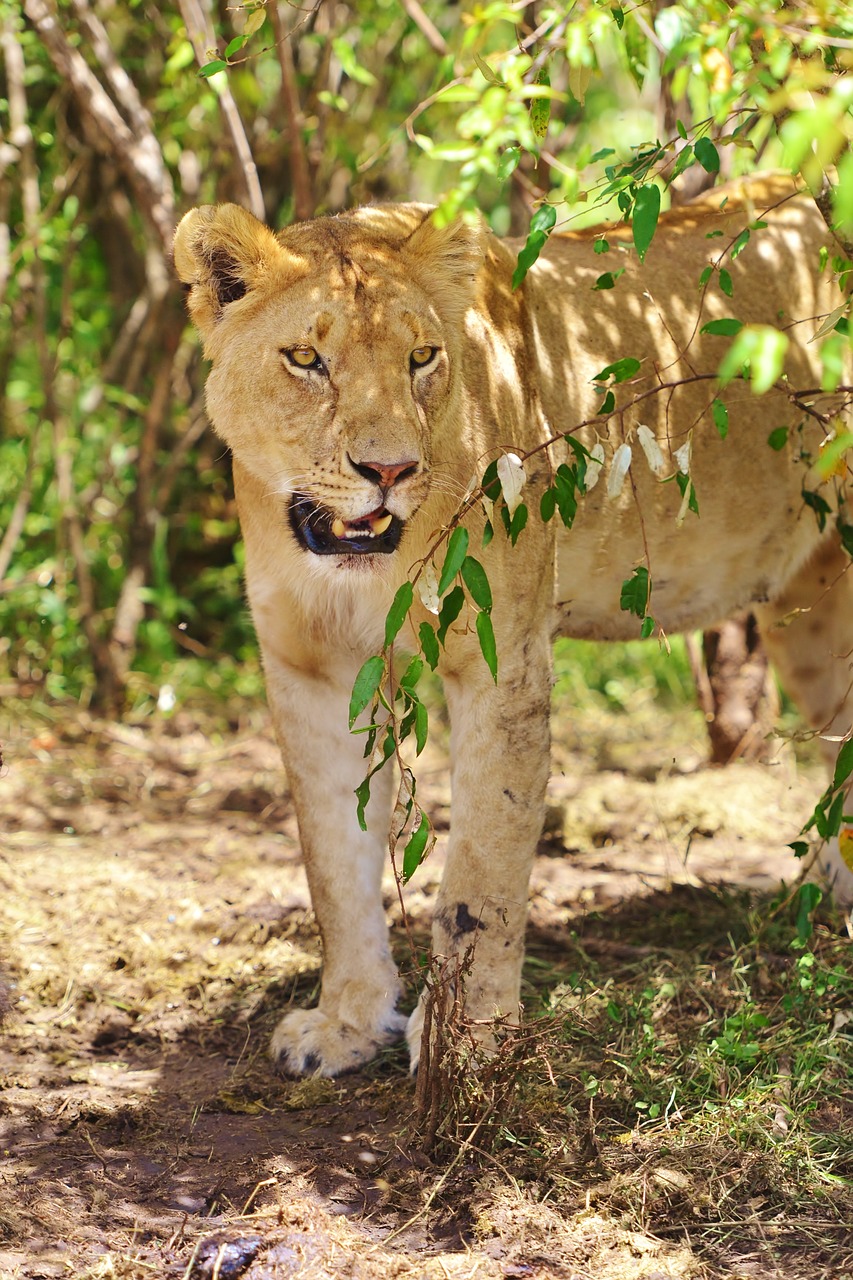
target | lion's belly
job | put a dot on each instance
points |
(723, 560)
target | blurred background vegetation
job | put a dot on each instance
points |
(119, 552)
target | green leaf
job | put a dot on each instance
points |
(475, 579)
(540, 226)
(618, 17)
(635, 593)
(684, 483)
(581, 454)
(527, 256)
(707, 155)
(645, 219)
(832, 452)
(488, 648)
(517, 523)
(429, 644)
(685, 159)
(619, 371)
(740, 243)
(843, 764)
(451, 607)
(608, 404)
(366, 684)
(255, 21)
(778, 438)
(491, 481)
(211, 68)
(726, 282)
(398, 612)
(421, 727)
(547, 505)
(721, 418)
(647, 628)
(819, 505)
(412, 674)
(508, 163)
(414, 850)
(601, 246)
(726, 328)
(705, 276)
(362, 793)
(800, 848)
(457, 548)
(845, 532)
(544, 218)
(807, 899)
(540, 108)
(486, 71)
(761, 348)
(607, 280)
(235, 45)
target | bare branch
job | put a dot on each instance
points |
(202, 37)
(303, 196)
(427, 26)
(138, 157)
(124, 90)
(824, 201)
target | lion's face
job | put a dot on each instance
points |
(334, 360)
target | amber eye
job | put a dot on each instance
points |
(422, 356)
(304, 357)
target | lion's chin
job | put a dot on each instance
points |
(319, 531)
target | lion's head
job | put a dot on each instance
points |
(335, 349)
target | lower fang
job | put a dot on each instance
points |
(338, 527)
(380, 525)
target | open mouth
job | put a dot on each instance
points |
(317, 530)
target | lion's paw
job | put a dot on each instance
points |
(309, 1042)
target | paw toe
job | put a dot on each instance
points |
(311, 1043)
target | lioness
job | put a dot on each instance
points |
(365, 369)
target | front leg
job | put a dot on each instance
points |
(500, 744)
(356, 1013)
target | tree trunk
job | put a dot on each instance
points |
(737, 691)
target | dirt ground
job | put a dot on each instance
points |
(155, 924)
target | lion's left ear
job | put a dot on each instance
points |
(222, 253)
(448, 259)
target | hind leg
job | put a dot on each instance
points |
(808, 632)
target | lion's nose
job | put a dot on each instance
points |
(386, 474)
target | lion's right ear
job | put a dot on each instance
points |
(221, 253)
